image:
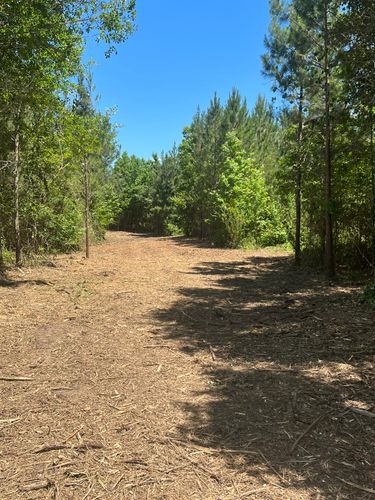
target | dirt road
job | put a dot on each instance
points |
(165, 369)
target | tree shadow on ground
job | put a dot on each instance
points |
(183, 241)
(5, 283)
(281, 351)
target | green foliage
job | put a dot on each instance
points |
(244, 208)
(214, 186)
(133, 182)
(368, 294)
(48, 125)
(300, 49)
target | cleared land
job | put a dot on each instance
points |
(162, 368)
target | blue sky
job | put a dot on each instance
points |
(182, 52)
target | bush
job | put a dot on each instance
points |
(368, 294)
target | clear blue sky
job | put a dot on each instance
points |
(182, 52)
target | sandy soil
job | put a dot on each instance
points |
(166, 369)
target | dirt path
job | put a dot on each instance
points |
(167, 370)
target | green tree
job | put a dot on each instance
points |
(243, 205)
(40, 49)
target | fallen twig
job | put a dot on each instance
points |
(53, 447)
(118, 482)
(212, 352)
(272, 467)
(190, 317)
(307, 430)
(91, 485)
(357, 486)
(251, 492)
(154, 346)
(15, 379)
(72, 435)
(147, 482)
(10, 420)
(208, 449)
(40, 485)
(173, 469)
(366, 413)
(207, 471)
(121, 410)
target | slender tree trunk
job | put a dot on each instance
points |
(372, 163)
(297, 248)
(329, 250)
(201, 222)
(2, 264)
(87, 206)
(17, 180)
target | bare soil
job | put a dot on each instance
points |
(163, 368)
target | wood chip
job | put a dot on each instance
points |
(212, 352)
(10, 420)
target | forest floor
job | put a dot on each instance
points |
(163, 368)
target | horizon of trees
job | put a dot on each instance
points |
(214, 185)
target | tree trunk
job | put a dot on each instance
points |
(297, 247)
(372, 163)
(87, 206)
(17, 180)
(201, 222)
(2, 264)
(329, 250)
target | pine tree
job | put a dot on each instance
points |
(287, 63)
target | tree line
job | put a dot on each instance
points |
(56, 151)
(300, 172)
(214, 185)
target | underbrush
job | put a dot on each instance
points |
(8, 258)
(368, 294)
(250, 245)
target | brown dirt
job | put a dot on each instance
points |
(167, 369)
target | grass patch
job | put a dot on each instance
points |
(368, 294)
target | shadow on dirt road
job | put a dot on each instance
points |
(281, 352)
